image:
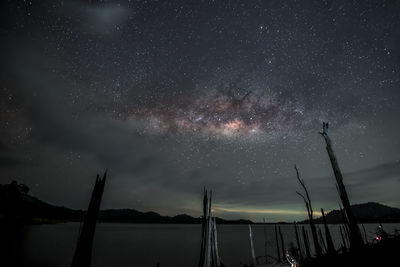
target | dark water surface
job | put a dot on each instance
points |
(144, 245)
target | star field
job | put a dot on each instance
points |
(175, 95)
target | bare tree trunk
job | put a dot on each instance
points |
(265, 244)
(253, 255)
(83, 252)
(321, 237)
(343, 239)
(218, 261)
(209, 232)
(307, 201)
(365, 234)
(356, 241)
(298, 242)
(282, 244)
(209, 256)
(212, 240)
(329, 241)
(278, 253)
(306, 242)
(203, 229)
(345, 222)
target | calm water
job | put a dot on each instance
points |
(145, 245)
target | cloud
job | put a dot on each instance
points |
(367, 176)
(389, 170)
(262, 211)
(378, 183)
(97, 19)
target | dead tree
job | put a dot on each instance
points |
(328, 237)
(83, 252)
(253, 255)
(310, 211)
(306, 242)
(345, 222)
(282, 244)
(278, 253)
(265, 244)
(209, 256)
(215, 239)
(321, 237)
(343, 239)
(365, 234)
(298, 242)
(203, 228)
(356, 240)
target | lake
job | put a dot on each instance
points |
(144, 245)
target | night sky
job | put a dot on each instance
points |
(173, 96)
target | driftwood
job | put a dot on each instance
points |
(356, 241)
(83, 252)
(310, 211)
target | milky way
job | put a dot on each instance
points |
(250, 115)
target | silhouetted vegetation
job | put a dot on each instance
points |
(18, 207)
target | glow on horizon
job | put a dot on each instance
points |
(265, 211)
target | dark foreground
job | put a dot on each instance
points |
(143, 245)
(384, 253)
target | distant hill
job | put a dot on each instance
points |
(18, 207)
(134, 216)
(370, 212)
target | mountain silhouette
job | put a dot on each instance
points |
(18, 207)
(370, 212)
